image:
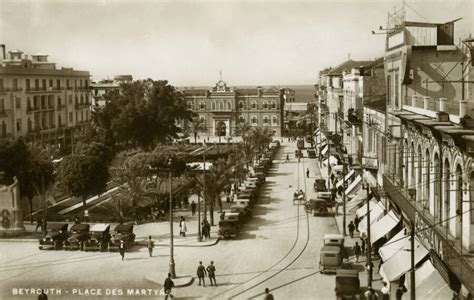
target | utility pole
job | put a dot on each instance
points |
(172, 266)
(344, 171)
(412, 277)
(369, 246)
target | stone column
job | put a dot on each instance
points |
(442, 104)
(426, 102)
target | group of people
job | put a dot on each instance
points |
(299, 194)
(210, 271)
(206, 229)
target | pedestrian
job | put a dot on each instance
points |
(208, 228)
(351, 227)
(211, 272)
(307, 172)
(332, 177)
(112, 239)
(268, 295)
(227, 199)
(168, 286)
(287, 157)
(370, 268)
(193, 208)
(357, 251)
(201, 272)
(42, 296)
(39, 224)
(356, 223)
(400, 291)
(385, 291)
(204, 228)
(150, 246)
(182, 227)
(362, 245)
(122, 249)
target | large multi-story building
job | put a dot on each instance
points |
(101, 88)
(222, 108)
(41, 102)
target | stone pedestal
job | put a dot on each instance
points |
(11, 216)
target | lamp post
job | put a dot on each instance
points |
(369, 246)
(344, 172)
(171, 267)
(412, 194)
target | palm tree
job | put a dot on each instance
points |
(195, 127)
(244, 130)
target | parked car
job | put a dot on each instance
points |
(347, 284)
(330, 258)
(125, 233)
(318, 207)
(56, 234)
(228, 228)
(78, 235)
(99, 238)
(320, 185)
(334, 239)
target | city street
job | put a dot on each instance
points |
(278, 248)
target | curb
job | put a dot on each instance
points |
(188, 280)
(18, 240)
(202, 245)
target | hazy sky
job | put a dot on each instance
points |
(187, 43)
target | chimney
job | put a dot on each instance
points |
(462, 108)
(3, 52)
(442, 104)
(426, 102)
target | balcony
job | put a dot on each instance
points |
(81, 105)
(31, 109)
(461, 265)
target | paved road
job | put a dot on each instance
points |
(278, 248)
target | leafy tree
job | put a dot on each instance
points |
(86, 172)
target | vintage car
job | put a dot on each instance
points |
(122, 232)
(55, 236)
(78, 235)
(246, 202)
(330, 258)
(299, 197)
(236, 216)
(347, 284)
(260, 169)
(318, 207)
(320, 185)
(99, 238)
(311, 153)
(243, 209)
(251, 183)
(228, 228)
(334, 239)
(260, 176)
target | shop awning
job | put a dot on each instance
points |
(363, 210)
(332, 161)
(324, 150)
(393, 245)
(353, 187)
(376, 213)
(316, 131)
(354, 202)
(383, 226)
(341, 181)
(400, 262)
(429, 283)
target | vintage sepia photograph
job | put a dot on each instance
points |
(236, 149)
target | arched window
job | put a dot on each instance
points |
(447, 190)
(201, 106)
(228, 105)
(275, 120)
(265, 106)
(241, 120)
(254, 105)
(437, 189)
(213, 105)
(36, 84)
(241, 105)
(202, 119)
(266, 120)
(221, 106)
(44, 84)
(427, 175)
(254, 120)
(190, 105)
(459, 192)
(82, 99)
(419, 171)
(273, 105)
(28, 85)
(29, 125)
(60, 120)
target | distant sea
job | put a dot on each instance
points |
(303, 93)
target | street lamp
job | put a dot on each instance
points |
(369, 246)
(171, 268)
(344, 172)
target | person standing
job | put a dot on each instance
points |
(39, 224)
(356, 223)
(193, 208)
(351, 228)
(385, 291)
(362, 245)
(287, 157)
(150, 246)
(400, 291)
(357, 251)
(122, 249)
(182, 227)
(201, 272)
(211, 272)
(268, 295)
(168, 286)
(307, 172)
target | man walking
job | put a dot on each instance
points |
(307, 172)
(356, 223)
(211, 271)
(287, 157)
(150, 246)
(182, 227)
(357, 251)
(268, 295)
(122, 250)
(39, 224)
(201, 272)
(193, 208)
(168, 286)
(351, 228)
